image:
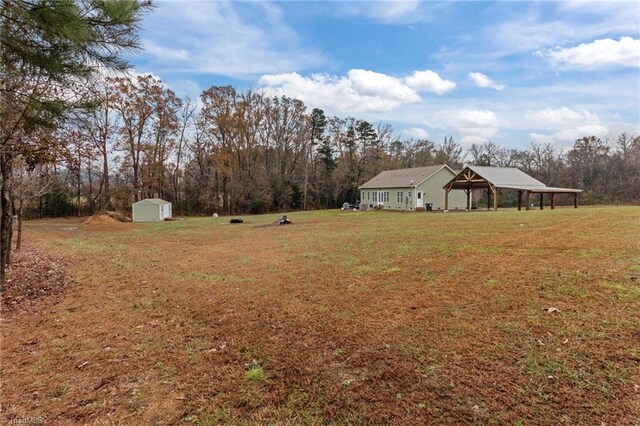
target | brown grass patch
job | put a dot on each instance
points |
(33, 274)
(355, 318)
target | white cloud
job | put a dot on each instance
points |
(572, 22)
(482, 80)
(416, 133)
(472, 139)
(369, 83)
(570, 135)
(223, 38)
(388, 12)
(165, 53)
(472, 122)
(359, 91)
(556, 118)
(429, 81)
(624, 52)
(540, 138)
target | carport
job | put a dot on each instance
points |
(493, 178)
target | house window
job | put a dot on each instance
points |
(375, 197)
(399, 197)
(386, 197)
(419, 195)
(368, 198)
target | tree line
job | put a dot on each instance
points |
(244, 152)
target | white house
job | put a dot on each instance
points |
(151, 209)
(411, 189)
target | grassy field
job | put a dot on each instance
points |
(341, 318)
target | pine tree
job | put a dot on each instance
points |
(50, 49)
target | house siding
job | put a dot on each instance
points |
(432, 190)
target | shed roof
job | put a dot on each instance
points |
(403, 178)
(153, 200)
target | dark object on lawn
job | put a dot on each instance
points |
(347, 206)
(284, 221)
(236, 221)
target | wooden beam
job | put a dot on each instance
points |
(553, 200)
(519, 200)
(489, 198)
(541, 201)
(528, 200)
(446, 198)
(495, 198)
(468, 191)
(575, 200)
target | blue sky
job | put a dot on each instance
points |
(512, 72)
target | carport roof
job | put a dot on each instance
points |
(473, 177)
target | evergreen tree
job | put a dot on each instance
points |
(50, 48)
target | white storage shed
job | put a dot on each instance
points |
(150, 210)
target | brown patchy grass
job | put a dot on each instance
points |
(342, 318)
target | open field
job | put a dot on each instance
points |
(341, 318)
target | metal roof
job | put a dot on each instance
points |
(154, 201)
(554, 189)
(403, 178)
(503, 177)
(507, 177)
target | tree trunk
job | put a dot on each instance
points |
(79, 182)
(136, 182)
(5, 216)
(176, 175)
(106, 196)
(19, 236)
(92, 201)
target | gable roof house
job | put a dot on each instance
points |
(411, 189)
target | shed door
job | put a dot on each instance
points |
(419, 200)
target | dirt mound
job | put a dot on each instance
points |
(121, 217)
(101, 219)
(33, 274)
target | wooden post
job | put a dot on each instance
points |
(527, 199)
(575, 200)
(542, 201)
(553, 200)
(446, 198)
(495, 199)
(468, 191)
(519, 200)
(488, 198)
